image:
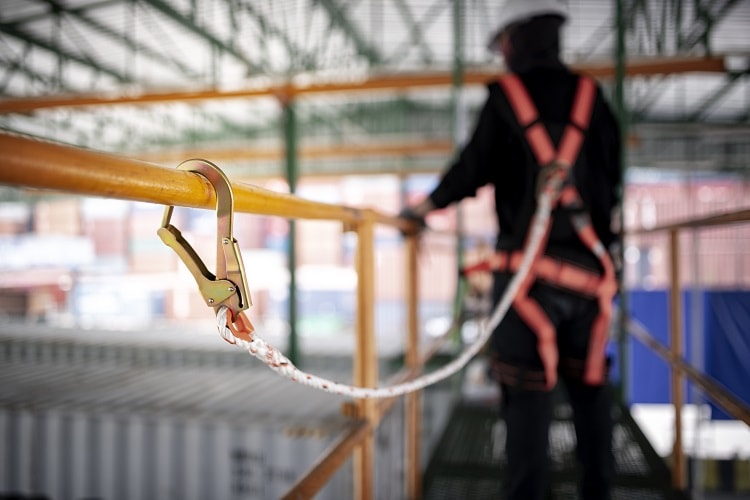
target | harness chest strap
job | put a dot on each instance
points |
(545, 268)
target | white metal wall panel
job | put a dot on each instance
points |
(72, 456)
(127, 422)
(188, 480)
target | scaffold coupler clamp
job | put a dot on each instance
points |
(228, 287)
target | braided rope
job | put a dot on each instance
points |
(279, 363)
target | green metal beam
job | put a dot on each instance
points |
(221, 131)
(654, 119)
(702, 109)
(71, 131)
(130, 128)
(457, 123)
(81, 14)
(188, 24)
(624, 122)
(305, 61)
(15, 31)
(16, 65)
(594, 40)
(645, 102)
(292, 173)
(340, 19)
(700, 30)
(706, 13)
(44, 15)
(429, 17)
(399, 116)
(416, 31)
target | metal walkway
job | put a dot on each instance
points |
(468, 461)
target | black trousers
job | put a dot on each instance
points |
(528, 414)
(527, 405)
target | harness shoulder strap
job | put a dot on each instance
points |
(519, 98)
(580, 118)
(528, 117)
(536, 134)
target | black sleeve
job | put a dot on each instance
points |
(611, 148)
(473, 167)
(614, 147)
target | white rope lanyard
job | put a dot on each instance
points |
(281, 364)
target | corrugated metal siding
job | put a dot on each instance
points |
(74, 455)
(128, 421)
(127, 426)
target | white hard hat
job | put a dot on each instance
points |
(516, 11)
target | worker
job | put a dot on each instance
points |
(541, 121)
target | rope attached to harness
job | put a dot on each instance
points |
(279, 363)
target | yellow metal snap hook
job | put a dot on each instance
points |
(228, 287)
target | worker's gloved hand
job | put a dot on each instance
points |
(417, 221)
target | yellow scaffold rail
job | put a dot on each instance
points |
(372, 83)
(33, 163)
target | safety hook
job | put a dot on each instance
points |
(228, 287)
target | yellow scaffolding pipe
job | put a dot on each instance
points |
(413, 424)
(393, 82)
(677, 380)
(34, 163)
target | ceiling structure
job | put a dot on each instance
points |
(370, 86)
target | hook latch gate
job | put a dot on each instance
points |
(228, 287)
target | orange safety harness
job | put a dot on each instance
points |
(547, 269)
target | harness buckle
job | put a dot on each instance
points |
(552, 177)
(228, 287)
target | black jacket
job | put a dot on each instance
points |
(498, 154)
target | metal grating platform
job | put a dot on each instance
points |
(469, 459)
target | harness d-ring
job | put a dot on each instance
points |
(228, 287)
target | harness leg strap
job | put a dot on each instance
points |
(534, 316)
(531, 312)
(595, 372)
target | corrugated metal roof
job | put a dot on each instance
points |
(188, 382)
(70, 47)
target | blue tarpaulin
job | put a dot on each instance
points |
(727, 321)
(724, 353)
